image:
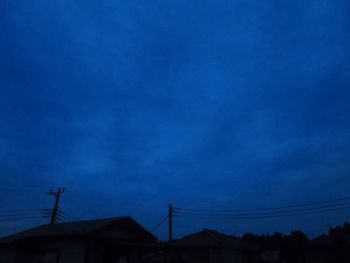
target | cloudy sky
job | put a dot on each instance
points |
(207, 104)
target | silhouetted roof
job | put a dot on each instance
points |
(212, 238)
(321, 242)
(121, 228)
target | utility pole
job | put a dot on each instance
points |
(170, 222)
(54, 211)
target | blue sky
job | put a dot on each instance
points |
(205, 104)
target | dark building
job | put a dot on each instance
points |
(325, 249)
(119, 239)
(209, 246)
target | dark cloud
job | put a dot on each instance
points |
(204, 104)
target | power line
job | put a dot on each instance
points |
(19, 218)
(264, 215)
(267, 213)
(159, 224)
(18, 210)
(325, 206)
(61, 212)
(19, 215)
(252, 216)
(269, 208)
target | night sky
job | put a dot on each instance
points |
(132, 105)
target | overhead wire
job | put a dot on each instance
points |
(265, 216)
(260, 213)
(159, 224)
(20, 213)
(19, 210)
(324, 206)
(40, 212)
(19, 218)
(289, 211)
(267, 208)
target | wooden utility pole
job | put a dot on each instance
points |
(170, 222)
(54, 211)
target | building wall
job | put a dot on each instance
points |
(94, 254)
(326, 256)
(232, 258)
(50, 252)
(60, 251)
(271, 256)
(217, 256)
(71, 252)
(6, 255)
(112, 254)
(201, 256)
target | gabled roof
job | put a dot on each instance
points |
(212, 238)
(94, 228)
